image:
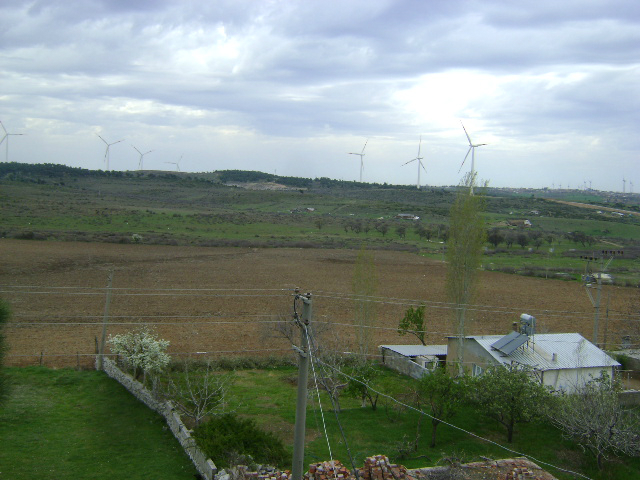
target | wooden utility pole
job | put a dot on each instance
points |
(303, 376)
(105, 320)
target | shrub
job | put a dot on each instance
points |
(226, 437)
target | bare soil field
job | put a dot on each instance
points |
(225, 301)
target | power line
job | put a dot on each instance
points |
(330, 295)
(452, 425)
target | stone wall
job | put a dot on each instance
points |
(403, 364)
(629, 397)
(204, 465)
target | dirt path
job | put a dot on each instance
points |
(224, 300)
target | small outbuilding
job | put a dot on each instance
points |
(413, 360)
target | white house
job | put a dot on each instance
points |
(561, 360)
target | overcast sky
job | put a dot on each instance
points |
(291, 87)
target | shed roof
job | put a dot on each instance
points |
(571, 351)
(417, 350)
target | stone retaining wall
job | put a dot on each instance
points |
(629, 397)
(204, 465)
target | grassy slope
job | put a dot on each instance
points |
(268, 397)
(67, 424)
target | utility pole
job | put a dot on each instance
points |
(105, 320)
(303, 376)
(588, 279)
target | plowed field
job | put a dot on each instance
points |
(225, 300)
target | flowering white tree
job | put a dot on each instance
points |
(141, 351)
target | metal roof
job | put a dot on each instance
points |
(571, 350)
(417, 350)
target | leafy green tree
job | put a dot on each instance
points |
(413, 322)
(464, 251)
(382, 227)
(495, 237)
(522, 239)
(509, 395)
(4, 317)
(593, 417)
(443, 396)
(362, 374)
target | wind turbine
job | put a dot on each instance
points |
(419, 160)
(472, 149)
(361, 154)
(141, 156)
(177, 164)
(106, 152)
(5, 137)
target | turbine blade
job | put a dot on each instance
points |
(465, 132)
(365, 146)
(137, 150)
(419, 145)
(103, 139)
(422, 165)
(5, 130)
(413, 160)
(465, 159)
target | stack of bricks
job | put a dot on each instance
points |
(242, 472)
(328, 471)
(379, 468)
(375, 468)
(520, 473)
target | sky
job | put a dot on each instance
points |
(292, 87)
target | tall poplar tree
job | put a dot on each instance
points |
(467, 235)
(364, 287)
(4, 318)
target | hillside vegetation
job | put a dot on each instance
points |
(239, 208)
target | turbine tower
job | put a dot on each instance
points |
(419, 160)
(141, 156)
(472, 149)
(106, 152)
(5, 138)
(361, 155)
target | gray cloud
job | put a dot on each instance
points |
(274, 77)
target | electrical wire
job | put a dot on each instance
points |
(454, 426)
(321, 294)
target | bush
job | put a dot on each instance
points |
(226, 437)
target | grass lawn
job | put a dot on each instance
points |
(67, 424)
(268, 396)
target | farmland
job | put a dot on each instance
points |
(65, 229)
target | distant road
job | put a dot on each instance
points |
(594, 207)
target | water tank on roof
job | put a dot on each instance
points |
(527, 324)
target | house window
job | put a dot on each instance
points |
(477, 370)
